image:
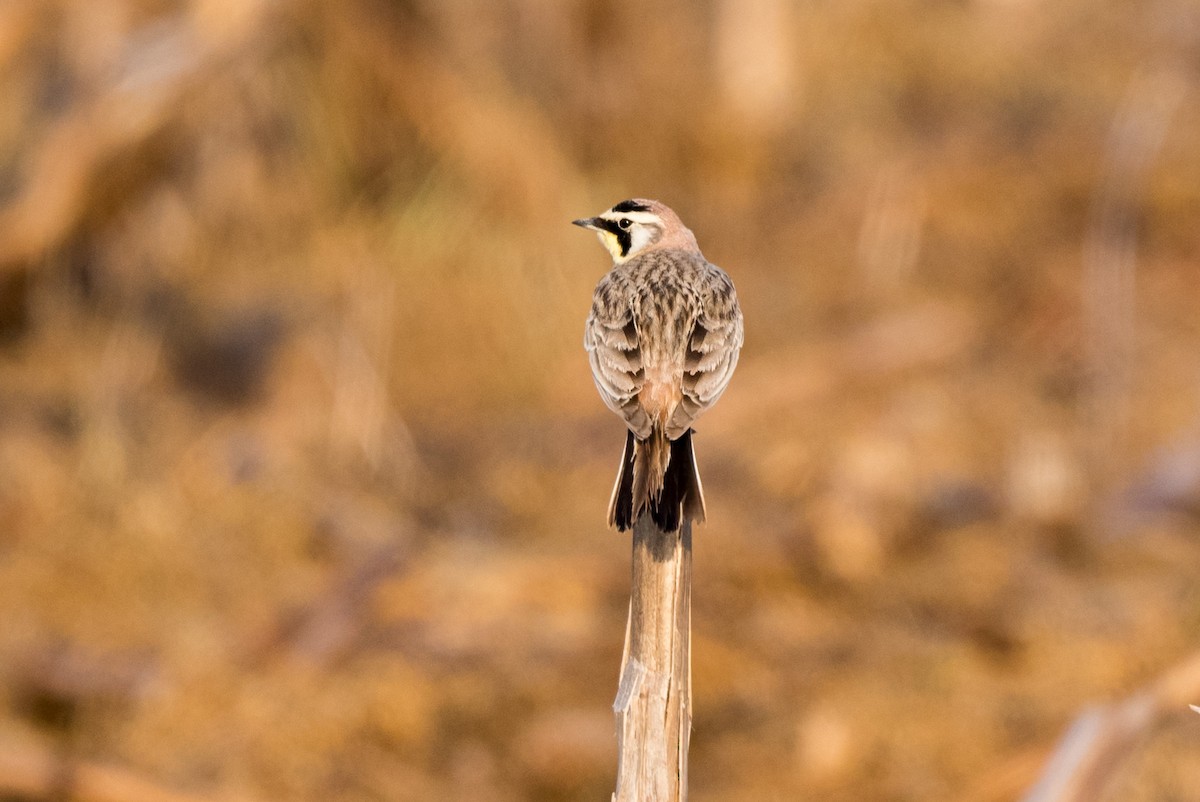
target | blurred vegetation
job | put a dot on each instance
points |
(303, 476)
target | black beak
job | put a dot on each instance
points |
(587, 222)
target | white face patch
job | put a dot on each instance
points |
(644, 229)
(641, 235)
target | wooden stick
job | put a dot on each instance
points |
(654, 698)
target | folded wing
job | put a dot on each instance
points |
(611, 340)
(712, 355)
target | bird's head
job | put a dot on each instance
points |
(636, 226)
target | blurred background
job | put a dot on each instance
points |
(303, 476)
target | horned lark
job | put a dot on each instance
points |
(663, 338)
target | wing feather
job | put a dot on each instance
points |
(612, 341)
(712, 355)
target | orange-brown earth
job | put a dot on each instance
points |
(302, 474)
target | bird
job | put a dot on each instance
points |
(662, 337)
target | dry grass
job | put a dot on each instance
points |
(301, 470)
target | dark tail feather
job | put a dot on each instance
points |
(620, 506)
(682, 496)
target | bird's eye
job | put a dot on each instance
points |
(625, 223)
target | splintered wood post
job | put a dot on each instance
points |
(654, 698)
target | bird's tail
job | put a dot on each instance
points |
(658, 475)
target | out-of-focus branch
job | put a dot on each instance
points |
(333, 624)
(1110, 265)
(125, 109)
(501, 140)
(1088, 760)
(755, 53)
